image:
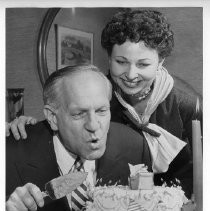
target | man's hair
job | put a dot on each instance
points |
(52, 93)
(149, 26)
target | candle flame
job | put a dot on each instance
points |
(197, 106)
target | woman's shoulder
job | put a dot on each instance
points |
(184, 98)
(183, 94)
(184, 91)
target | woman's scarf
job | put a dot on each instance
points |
(163, 148)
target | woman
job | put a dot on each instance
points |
(137, 43)
(144, 96)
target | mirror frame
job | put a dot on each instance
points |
(42, 43)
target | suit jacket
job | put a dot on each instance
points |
(33, 160)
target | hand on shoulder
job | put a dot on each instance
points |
(17, 126)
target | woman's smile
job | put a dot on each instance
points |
(131, 83)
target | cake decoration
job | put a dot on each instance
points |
(140, 178)
(139, 195)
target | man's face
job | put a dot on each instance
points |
(83, 121)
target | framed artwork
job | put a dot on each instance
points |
(15, 103)
(73, 47)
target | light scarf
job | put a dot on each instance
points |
(165, 147)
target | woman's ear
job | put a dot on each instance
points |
(50, 116)
(161, 62)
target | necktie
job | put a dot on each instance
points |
(79, 195)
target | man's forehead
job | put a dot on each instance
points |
(83, 85)
(84, 78)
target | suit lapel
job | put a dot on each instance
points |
(39, 170)
(40, 167)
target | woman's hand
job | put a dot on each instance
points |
(27, 197)
(17, 126)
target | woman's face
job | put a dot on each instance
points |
(133, 66)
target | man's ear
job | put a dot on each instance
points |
(50, 116)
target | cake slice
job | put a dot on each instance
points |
(140, 178)
(63, 185)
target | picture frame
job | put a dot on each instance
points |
(73, 47)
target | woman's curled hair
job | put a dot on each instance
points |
(149, 26)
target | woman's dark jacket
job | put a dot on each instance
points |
(174, 114)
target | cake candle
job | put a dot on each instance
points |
(197, 162)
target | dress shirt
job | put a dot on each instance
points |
(65, 161)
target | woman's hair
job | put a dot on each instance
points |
(52, 90)
(149, 26)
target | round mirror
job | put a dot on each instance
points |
(42, 43)
(72, 34)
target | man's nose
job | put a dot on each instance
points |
(92, 123)
(132, 72)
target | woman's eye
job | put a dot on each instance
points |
(121, 62)
(142, 65)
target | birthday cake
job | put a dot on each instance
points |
(140, 195)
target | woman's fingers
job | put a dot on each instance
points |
(7, 127)
(31, 120)
(17, 126)
(14, 129)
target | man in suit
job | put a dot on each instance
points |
(77, 111)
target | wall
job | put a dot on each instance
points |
(186, 60)
(22, 27)
(91, 20)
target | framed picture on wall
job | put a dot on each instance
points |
(73, 47)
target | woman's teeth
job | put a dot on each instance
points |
(131, 84)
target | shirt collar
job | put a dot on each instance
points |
(66, 160)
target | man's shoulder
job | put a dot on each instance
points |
(115, 127)
(41, 128)
(124, 133)
(37, 141)
(35, 133)
(126, 144)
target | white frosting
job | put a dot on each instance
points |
(144, 196)
(122, 198)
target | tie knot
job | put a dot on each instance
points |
(78, 164)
